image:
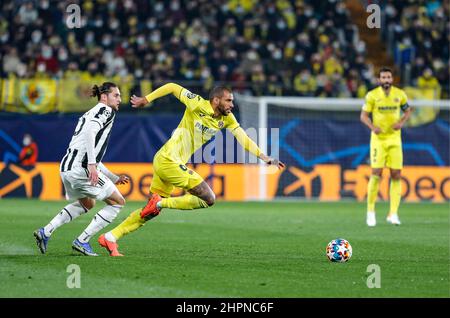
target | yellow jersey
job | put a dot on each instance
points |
(385, 110)
(196, 128)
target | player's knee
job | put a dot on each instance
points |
(210, 199)
(396, 175)
(121, 201)
(115, 199)
(87, 203)
(377, 172)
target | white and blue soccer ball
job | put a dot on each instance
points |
(339, 250)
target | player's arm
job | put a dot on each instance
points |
(365, 118)
(122, 179)
(407, 110)
(248, 144)
(365, 113)
(92, 128)
(169, 88)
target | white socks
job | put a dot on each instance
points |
(103, 217)
(110, 237)
(71, 211)
(68, 213)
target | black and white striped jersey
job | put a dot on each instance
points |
(90, 139)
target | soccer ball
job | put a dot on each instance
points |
(339, 250)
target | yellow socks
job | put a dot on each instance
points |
(372, 192)
(185, 202)
(130, 224)
(395, 195)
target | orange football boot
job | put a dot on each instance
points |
(112, 247)
(151, 210)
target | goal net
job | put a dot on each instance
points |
(326, 148)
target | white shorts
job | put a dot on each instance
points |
(77, 185)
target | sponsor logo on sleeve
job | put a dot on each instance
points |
(189, 94)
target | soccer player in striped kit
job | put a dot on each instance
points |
(84, 176)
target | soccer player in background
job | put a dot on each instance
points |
(84, 176)
(202, 118)
(385, 103)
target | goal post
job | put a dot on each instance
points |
(315, 132)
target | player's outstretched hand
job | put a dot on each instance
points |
(275, 162)
(123, 179)
(138, 102)
(93, 174)
(397, 126)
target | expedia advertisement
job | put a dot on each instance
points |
(236, 182)
(325, 159)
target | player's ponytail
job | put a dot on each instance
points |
(95, 92)
(105, 88)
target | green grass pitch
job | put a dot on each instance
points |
(272, 249)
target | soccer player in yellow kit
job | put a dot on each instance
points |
(385, 103)
(201, 121)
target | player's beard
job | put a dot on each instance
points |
(115, 107)
(386, 86)
(222, 110)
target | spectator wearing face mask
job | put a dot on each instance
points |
(428, 81)
(180, 38)
(29, 153)
(11, 62)
(305, 84)
(46, 61)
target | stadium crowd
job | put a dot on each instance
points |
(282, 47)
(418, 33)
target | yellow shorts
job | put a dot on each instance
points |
(386, 153)
(168, 174)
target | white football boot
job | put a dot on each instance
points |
(371, 220)
(393, 219)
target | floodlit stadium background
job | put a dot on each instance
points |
(299, 70)
(52, 53)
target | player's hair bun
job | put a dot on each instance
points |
(95, 91)
(105, 88)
